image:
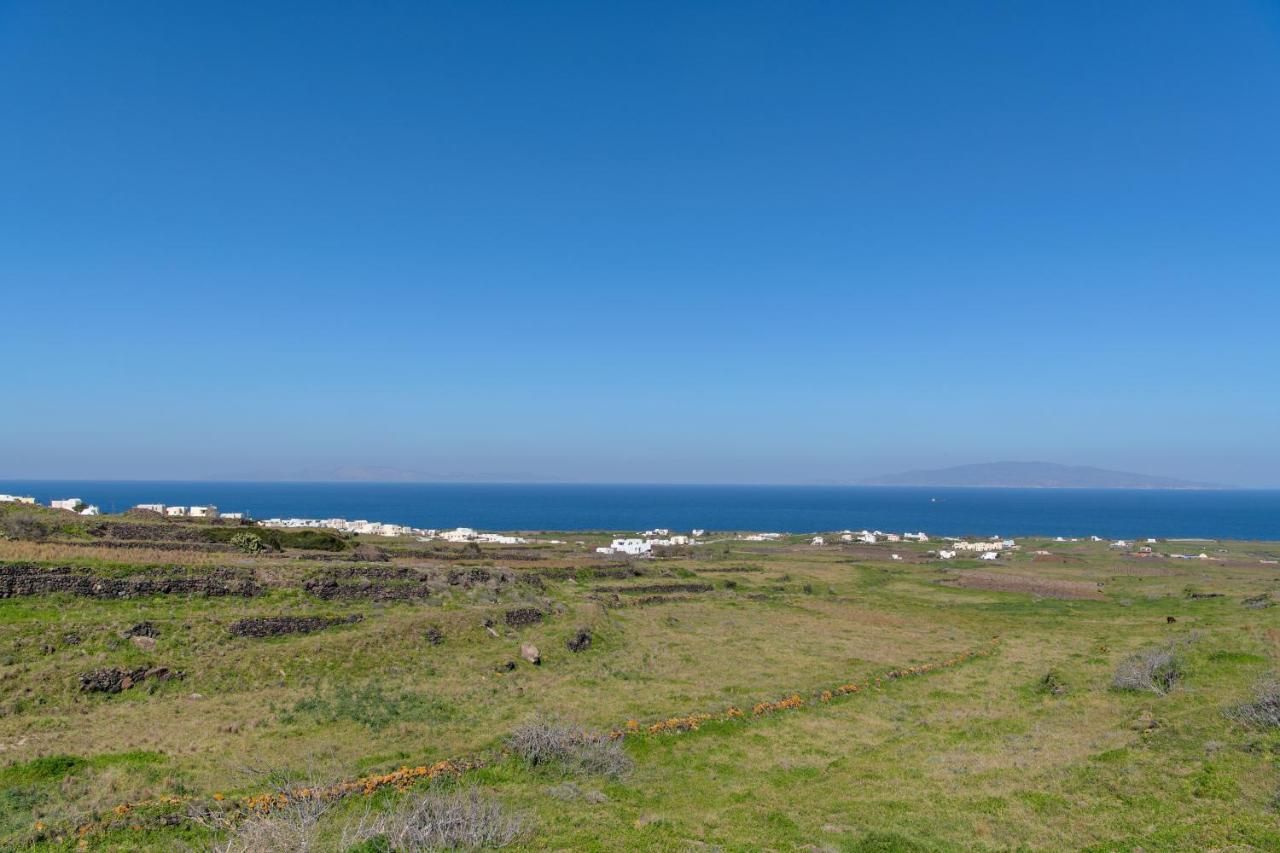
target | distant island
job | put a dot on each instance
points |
(1032, 475)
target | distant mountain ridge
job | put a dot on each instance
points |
(1032, 475)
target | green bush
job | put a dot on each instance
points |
(250, 543)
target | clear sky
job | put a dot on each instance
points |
(673, 242)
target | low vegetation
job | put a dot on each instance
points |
(1152, 670)
(542, 742)
(465, 820)
(1263, 710)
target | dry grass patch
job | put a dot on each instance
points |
(1043, 587)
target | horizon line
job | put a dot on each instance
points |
(806, 484)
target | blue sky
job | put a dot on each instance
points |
(717, 242)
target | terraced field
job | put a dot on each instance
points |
(164, 687)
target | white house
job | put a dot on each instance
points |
(173, 511)
(462, 534)
(91, 510)
(16, 499)
(892, 537)
(234, 516)
(818, 540)
(209, 511)
(988, 555)
(68, 503)
(946, 555)
(633, 547)
(153, 507)
(698, 531)
(869, 538)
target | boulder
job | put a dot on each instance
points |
(529, 652)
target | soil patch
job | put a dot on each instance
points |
(1044, 587)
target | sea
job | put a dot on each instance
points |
(1109, 513)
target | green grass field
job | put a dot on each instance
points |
(1027, 745)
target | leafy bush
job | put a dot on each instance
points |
(275, 540)
(434, 821)
(49, 768)
(1263, 711)
(1153, 670)
(250, 543)
(541, 742)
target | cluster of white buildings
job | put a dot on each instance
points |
(207, 511)
(360, 526)
(871, 537)
(380, 528)
(989, 546)
(467, 534)
(68, 504)
(646, 542)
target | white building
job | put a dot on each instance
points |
(234, 516)
(174, 511)
(68, 503)
(1001, 545)
(461, 534)
(989, 555)
(209, 511)
(918, 537)
(698, 531)
(152, 507)
(91, 510)
(946, 555)
(16, 499)
(633, 547)
(818, 540)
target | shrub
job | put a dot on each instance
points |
(434, 821)
(1263, 711)
(26, 526)
(1051, 683)
(541, 742)
(292, 826)
(250, 543)
(1153, 670)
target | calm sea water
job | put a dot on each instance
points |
(1235, 514)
